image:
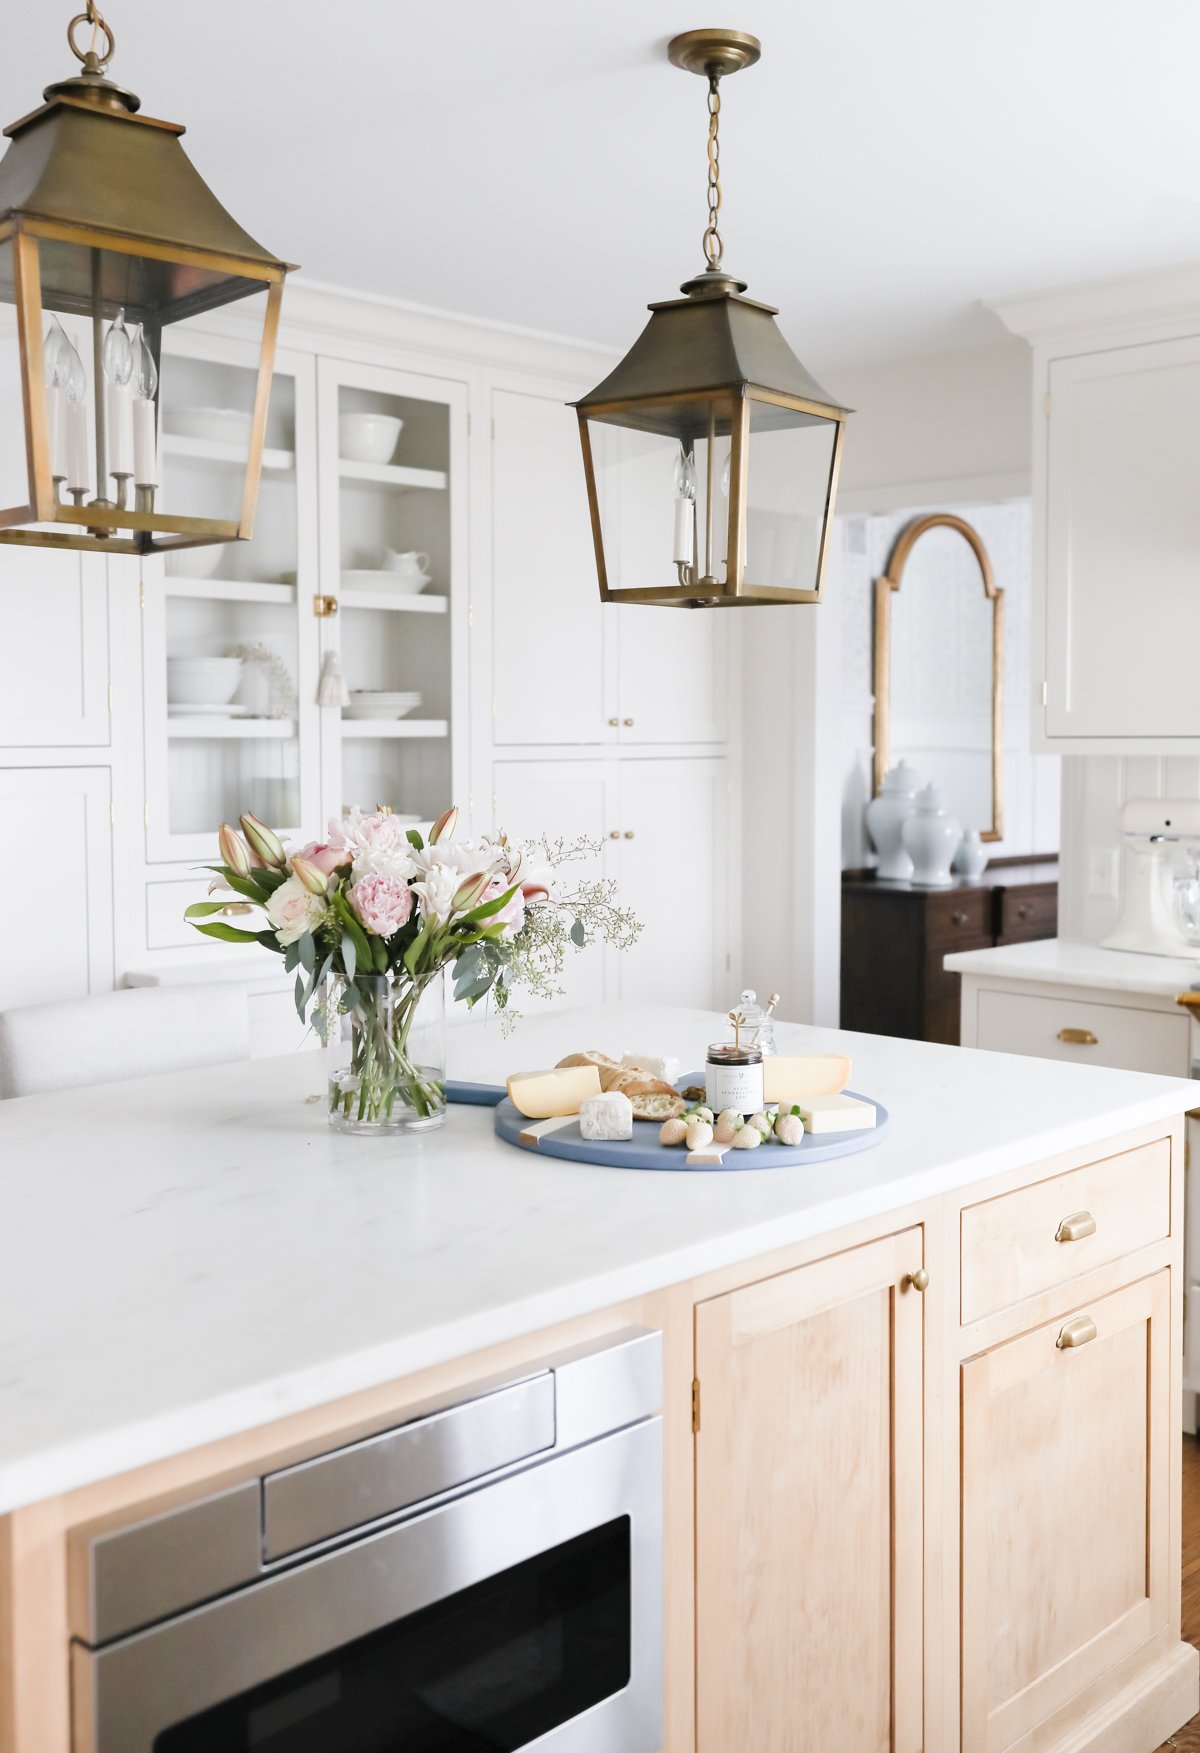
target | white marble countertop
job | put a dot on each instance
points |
(185, 1257)
(1059, 961)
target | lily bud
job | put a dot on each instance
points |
(471, 892)
(268, 846)
(234, 850)
(443, 828)
(314, 880)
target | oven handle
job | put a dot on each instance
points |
(127, 1694)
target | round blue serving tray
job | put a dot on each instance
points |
(643, 1151)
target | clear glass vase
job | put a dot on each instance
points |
(387, 1055)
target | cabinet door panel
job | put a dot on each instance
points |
(548, 628)
(676, 672)
(809, 1623)
(1065, 1523)
(560, 799)
(64, 948)
(674, 853)
(54, 654)
(1123, 534)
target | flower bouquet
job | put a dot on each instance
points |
(370, 918)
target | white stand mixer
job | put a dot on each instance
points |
(1154, 829)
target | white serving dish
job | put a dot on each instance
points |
(202, 681)
(368, 438)
(195, 562)
(196, 710)
(223, 425)
(397, 584)
(378, 709)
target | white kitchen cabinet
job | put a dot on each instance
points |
(674, 876)
(54, 660)
(56, 883)
(1116, 457)
(565, 669)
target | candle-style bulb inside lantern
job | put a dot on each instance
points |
(147, 371)
(685, 508)
(725, 477)
(56, 351)
(117, 355)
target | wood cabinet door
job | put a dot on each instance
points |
(809, 1548)
(1065, 1509)
(1122, 534)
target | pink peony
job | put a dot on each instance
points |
(383, 903)
(326, 858)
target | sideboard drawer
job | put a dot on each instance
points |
(956, 915)
(1028, 913)
(1021, 1243)
(1084, 1032)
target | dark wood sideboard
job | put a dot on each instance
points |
(895, 936)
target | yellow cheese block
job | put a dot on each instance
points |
(547, 1095)
(836, 1114)
(792, 1078)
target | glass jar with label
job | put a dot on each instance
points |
(733, 1077)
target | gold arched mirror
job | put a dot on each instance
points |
(939, 667)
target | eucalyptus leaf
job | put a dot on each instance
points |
(578, 934)
(349, 1000)
(308, 952)
(291, 957)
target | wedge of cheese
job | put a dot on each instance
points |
(792, 1078)
(836, 1114)
(545, 1095)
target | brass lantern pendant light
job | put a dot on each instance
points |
(711, 454)
(108, 238)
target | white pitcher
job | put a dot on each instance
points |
(408, 565)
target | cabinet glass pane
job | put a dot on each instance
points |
(215, 779)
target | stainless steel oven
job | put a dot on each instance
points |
(487, 1576)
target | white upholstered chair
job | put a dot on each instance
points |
(119, 1035)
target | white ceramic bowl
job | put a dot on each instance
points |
(195, 562)
(202, 681)
(368, 438)
(225, 425)
(393, 584)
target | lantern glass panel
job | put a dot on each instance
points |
(155, 414)
(653, 483)
(791, 455)
(14, 470)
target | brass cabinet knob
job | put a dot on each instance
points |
(629, 833)
(1024, 910)
(1078, 1037)
(958, 918)
(614, 722)
(629, 724)
(918, 1280)
(1075, 1227)
(324, 606)
(1081, 1330)
(614, 833)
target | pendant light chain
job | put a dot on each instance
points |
(714, 247)
(92, 15)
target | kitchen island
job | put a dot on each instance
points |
(920, 1406)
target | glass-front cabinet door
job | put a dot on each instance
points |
(230, 649)
(393, 448)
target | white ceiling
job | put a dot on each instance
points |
(887, 164)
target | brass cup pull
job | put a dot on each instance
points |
(1078, 1037)
(234, 909)
(1075, 1227)
(1080, 1330)
(918, 1280)
(1189, 1000)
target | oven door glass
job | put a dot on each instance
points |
(488, 1670)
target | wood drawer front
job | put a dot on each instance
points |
(1122, 1036)
(1010, 1246)
(953, 915)
(1028, 913)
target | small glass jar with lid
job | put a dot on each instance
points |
(757, 1028)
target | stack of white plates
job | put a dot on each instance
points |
(370, 703)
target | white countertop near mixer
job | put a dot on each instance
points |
(1058, 961)
(185, 1257)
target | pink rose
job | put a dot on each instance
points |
(326, 858)
(383, 903)
(512, 915)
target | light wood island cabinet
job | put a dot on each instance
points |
(922, 1480)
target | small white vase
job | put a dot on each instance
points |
(931, 836)
(971, 858)
(886, 816)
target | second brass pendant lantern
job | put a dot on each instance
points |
(711, 454)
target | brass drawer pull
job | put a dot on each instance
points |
(234, 909)
(1189, 1000)
(1081, 1330)
(918, 1280)
(1078, 1037)
(1075, 1227)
